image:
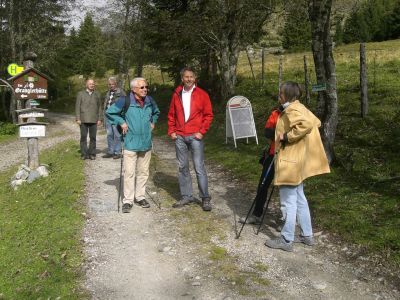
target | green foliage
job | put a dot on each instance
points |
(204, 34)
(296, 34)
(8, 128)
(394, 22)
(370, 22)
(86, 49)
(40, 230)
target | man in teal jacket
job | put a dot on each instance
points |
(137, 124)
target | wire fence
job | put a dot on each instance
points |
(383, 68)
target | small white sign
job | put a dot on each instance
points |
(32, 115)
(27, 131)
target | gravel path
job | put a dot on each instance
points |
(61, 128)
(145, 255)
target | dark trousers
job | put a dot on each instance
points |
(92, 129)
(262, 190)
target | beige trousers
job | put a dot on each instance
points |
(135, 175)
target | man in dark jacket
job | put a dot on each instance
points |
(113, 136)
(190, 116)
(88, 114)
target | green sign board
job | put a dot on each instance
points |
(318, 87)
(14, 69)
(34, 103)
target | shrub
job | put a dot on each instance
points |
(7, 128)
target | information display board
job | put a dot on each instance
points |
(27, 131)
(239, 119)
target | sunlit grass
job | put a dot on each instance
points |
(40, 228)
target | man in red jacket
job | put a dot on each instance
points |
(189, 118)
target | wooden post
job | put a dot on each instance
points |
(306, 81)
(262, 66)
(375, 71)
(363, 81)
(33, 143)
(280, 72)
(33, 153)
(251, 64)
(162, 76)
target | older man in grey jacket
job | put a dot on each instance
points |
(89, 115)
(113, 136)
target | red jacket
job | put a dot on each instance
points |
(271, 123)
(200, 117)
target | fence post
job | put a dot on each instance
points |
(306, 81)
(280, 72)
(363, 81)
(375, 71)
(251, 64)
(262, 66)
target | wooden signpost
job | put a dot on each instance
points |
(29, 86)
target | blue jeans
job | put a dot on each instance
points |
(184, 144)
(295, 203)
(113, 139)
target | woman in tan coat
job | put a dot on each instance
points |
(299, 155)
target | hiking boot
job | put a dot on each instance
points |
(108, 155)
(250, 220)
(116, 156)
(306, 240)
(181, 203)
(84, 157)
(92, 157)
(279, 243)
(142, 203)
(206, 204)
(126, 207)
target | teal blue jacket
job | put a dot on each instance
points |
(138, 137)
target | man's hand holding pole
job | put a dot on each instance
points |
(124, 128)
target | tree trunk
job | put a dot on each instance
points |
(228, 58)
(140, 56)
(306, 81)
(4, 104)
(327, 108)
(123, 60)
(12, 31)
(13, 107)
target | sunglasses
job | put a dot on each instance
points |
(143, 87)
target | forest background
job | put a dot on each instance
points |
(359, 201)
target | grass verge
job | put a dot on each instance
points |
(40, 227)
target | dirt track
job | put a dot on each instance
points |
(144, 255)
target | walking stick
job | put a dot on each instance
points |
(255, 199)
(120, 172)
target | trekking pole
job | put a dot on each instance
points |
(265, 210)
(120, 172)
(255, 199)
(156, 202)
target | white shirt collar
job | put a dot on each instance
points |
(189, 91)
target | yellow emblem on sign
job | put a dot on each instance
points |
(14, 69)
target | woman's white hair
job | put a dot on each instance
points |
(135, 80)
